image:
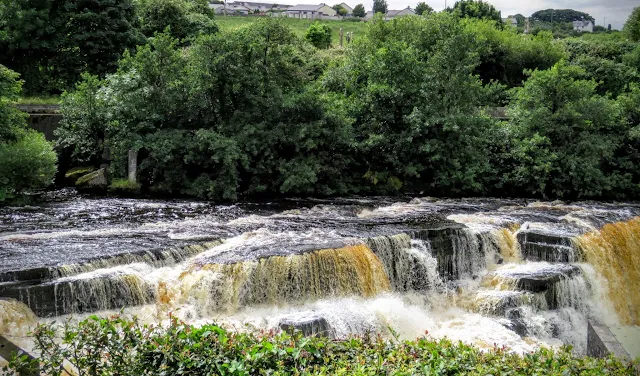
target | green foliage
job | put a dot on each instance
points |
(319, 35)
(359, 11)
(505, 54)
(118, 346)
(340, 10)
(52, 43)
(410, 87)
(380, 6)
(477, 9)
(182, 18)
(564, 135)
(561, 15)
(632, 26)
(82, 129)
(423, 8)
(28, 160)
(232, 115)
(612, 77)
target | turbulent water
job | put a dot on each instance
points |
(506, 273)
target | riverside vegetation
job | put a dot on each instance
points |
(120, 346)
(404, 109)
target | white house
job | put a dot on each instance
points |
(312, 11)
(264, 7)
(231, 9)
(398, 13)
(348, 9)
(585, 26)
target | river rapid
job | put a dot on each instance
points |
(509, 273)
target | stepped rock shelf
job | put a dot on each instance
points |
(513, 273)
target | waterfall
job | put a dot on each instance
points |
(351, 270)
(157, 258)
(614, 252)
(410, 264)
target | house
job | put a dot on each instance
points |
(369, 15)
(231, 9)
(261, 8)
(397, 13)
(511, 21)
(311, 11)
(348, 9)
(583, 26)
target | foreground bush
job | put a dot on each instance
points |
(117, 346)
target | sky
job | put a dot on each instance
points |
(615, 11)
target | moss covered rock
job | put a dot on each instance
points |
(96, 181)
(72, 176)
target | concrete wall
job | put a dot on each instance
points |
(601, 342)
(44, 119)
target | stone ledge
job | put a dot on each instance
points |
(601, 342)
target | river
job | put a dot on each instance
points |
(518, 274)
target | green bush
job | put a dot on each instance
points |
(27, 164)
(117, 346)
(27, 160)
(319, 35)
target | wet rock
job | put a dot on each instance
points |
(96, 181)
(72, 176)
(546, 247)
(515, 322)
(309, 326)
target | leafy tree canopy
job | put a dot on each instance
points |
(477, 9)
(423, 8)
(632, 26)
(561, 15)
(359, 11)
(380, 6)
(340, 10)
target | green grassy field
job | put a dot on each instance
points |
(299, 26)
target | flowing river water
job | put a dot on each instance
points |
(510, 273)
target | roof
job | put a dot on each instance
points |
(306, 7)
(346, 6)
(394, 12)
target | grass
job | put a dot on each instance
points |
(40, 100)
(299, 26)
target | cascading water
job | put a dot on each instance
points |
(486, 272)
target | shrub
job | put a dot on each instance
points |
(27, 164)
(117, 346)
(319, 35)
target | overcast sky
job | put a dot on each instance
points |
(616, 11)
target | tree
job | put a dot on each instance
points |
(632, 26)
(319, 35)
(477, 9)
(52, 42)
(416, 107)
(423, 8)
(28, 160)
(561, 15)
(520, 18)
(380, 6)
(564, 136)
(339, 9)
(358, 11)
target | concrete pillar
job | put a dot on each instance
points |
(133, 165)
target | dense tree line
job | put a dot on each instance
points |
(405, 108)
(51, 43)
